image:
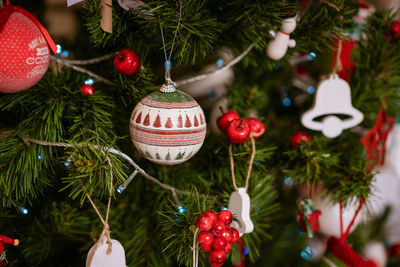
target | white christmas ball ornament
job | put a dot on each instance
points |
(376, 252)
(168, 126)
(329, 220)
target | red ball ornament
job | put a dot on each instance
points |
(206, 238)
(126, 62)
(204, 223)
(227, 234)
(228, 248)
(226, 118)
(211, 214)
(396, 27)
(300, 137)
(217, 257)
(257, 127)
(238, 131)
(87, 89)
(24, 49)
(235, 235)
(218, 228)
(206, 248)
(219, 243)
(225, 216)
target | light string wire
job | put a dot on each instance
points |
(168, 59)
(28, 140)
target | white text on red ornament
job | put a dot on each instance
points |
(36, 42)
(37, 71)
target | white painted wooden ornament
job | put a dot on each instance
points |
(100, 258)
(333, 97)
(393, 149)
(73, 2)
(277, 48)
(329, 220)
(239, 205)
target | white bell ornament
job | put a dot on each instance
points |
(333, 97)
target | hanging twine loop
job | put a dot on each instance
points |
(169, 85)
(195, 248)
(251, 162)
(106, 228)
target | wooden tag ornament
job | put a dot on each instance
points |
(239, 205)
(98, 257)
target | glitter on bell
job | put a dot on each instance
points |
(168, 126)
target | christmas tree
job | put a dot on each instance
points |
(200, 133)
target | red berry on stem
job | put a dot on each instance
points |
(219, 243)
(235, 235)
(257, 127)
(211, 214)
(300, 137)
(87, 89)
(396, 27)
(217, 257)
(206, 238)
(226, 118)
(218, 228)
(228, 248)
(225, 216)
(238, 131)
(206, 248)
(204, 223)
(227, 234)
(126, 62)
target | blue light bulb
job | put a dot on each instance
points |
(23, 210)
(64, 53)
(288, 181)
(67, 163)
(313, 54)
(120, 189)
(246, 250)
(39, 157)
(181, 209)
(224, 208)
(308, 253)
(311, 90)
(89, 81)
(220, 62)
(286, 102)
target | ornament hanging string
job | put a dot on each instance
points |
(168, 59)
(195, 249)
(106, 227)
(232, 163)
(343, 236)
(8, 10)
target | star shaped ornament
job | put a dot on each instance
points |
(375, 140)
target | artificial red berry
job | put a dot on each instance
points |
(218, 228)
(206, 248)
(227, 234)
(226, 118)
(396, 27)
(235, 235)
(204, 223)
(219, 243)
(126, 62)
(257, 127)
(206, 238)
(217, 257)
(300, 137)
(225, 216)
(238, 131)
(211, 214)
(87, 89)
(228, 248)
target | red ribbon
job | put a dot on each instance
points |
(5, 13)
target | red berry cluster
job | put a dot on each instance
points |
(238, 130)
(216, 235)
